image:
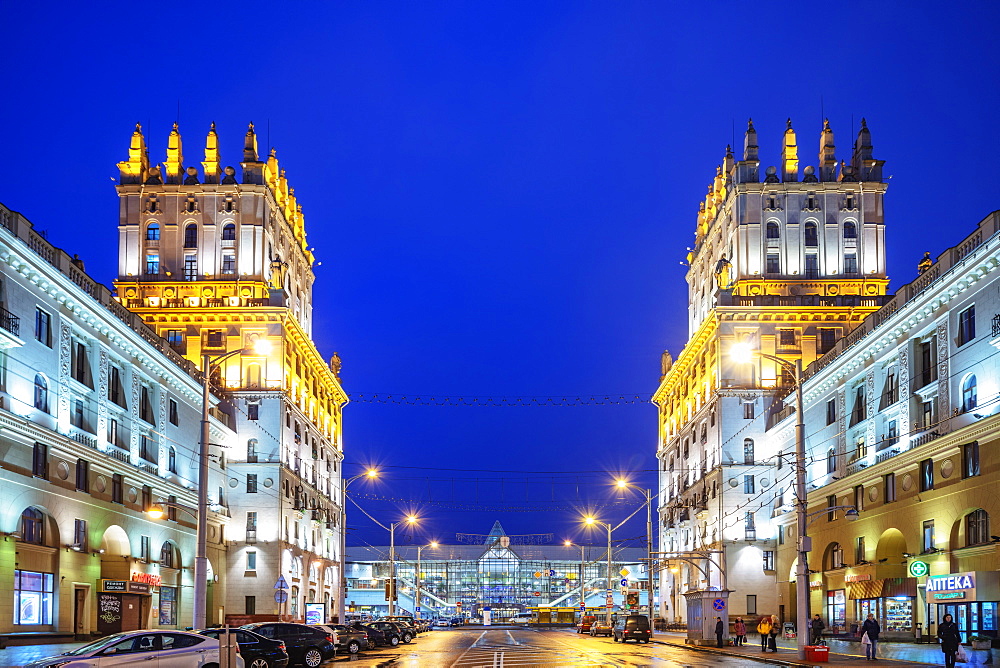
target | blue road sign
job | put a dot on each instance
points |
(418, 608)
(719, 604)
(552, 573)
(281, 583)
(280, 596)
(624, 582)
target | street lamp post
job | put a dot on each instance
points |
(744, 353)
(591, 520)
(392, 563)
(261, 347)
(583, 595)
(416, 603)
(370, 474)
(622, 484)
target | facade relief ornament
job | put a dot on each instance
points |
(944, 402)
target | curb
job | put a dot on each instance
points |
(749, 657)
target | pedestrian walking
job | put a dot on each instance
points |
(720, 630)
(764, 629)
(817, 630)
(740, 629)
(772, 636)
(951, 638)
(869, 632)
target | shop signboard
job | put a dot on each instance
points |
(315, 613)
(918, 569)
(114, 585)
(957, 586)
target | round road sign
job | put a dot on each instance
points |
(280, 596)
(719, 604)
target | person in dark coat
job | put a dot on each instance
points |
(817, 629)
(872, 628)
(720, 630)
(950, 638)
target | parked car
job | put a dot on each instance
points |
(456, 621)
(585, 622)
(405, 633)
(600, 627)
(257, 651)
(520, 620)
(405, 623)
(146, 647)
(442, 623)
(307, 645)
(377, 636)
(348, 639)
(632, 627)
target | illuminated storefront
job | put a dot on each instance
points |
(970, 598)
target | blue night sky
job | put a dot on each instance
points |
(500, 193)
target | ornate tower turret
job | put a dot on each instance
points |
(790, 155)
(747, 169)
(866, 168)
(175, 157)
(827, 156)
(212, 160)
(134, 169)
(253, 168)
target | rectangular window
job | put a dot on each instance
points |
(40, 461)
(926, 475)
(859, 497)
(146, 449)
(215, 338)
(893, 436)
(146, 406)
(858, 410)
(116, 391)
(773, 265)
(889, 487)
(786, 338)
(768, 560)
(250, 605)
(147, 498)
(251, 483)
(82, 475)
(891, 394)
(117, 488)
(80, 363)
(752, 603)
(190, 268)
(32, 597)
(966, 325)
(927, 414)
(812, 266)
(860, 554)
(970, 459)
(926, 363)
(827, 339)
(253, 411)
(748, 484)
(174, 420)
(850, 263)
(251, 560)
(43, 327)
(748, 411)
(175, 338)
(113, 432)
(172, 508)
(152, 264)
(928, 536)
(831, 502)
(76, 418)
(144, 549)
(228, 264)
(831, 411)
(781, 535)
(80, 535)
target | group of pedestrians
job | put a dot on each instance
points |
(768, 627)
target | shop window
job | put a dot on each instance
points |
(977, 527)
(966, 325)
(168, 606)
(43, 327)
(970, 459)
(33, 526)
(926, 475)
(33, 597)
(969, 393)
(836, 609)
(928, 536)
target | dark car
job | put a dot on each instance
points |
(632, 627)
(405, 633)
(456, 621)
(306, 645)
(405, 621)
(600, 627)
(351, 640)
(257, 651)
(376, 636)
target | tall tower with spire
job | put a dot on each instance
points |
(787, 261)
(215, 265)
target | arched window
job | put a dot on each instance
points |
(831, 461)
(850, 230)
(229, 232)
(835, 557)
(748, 455)
(191, 236)
(772, 231)
(153, 232)
(169, 556)
(977, 527)
(969, 393)
(253, 375)
(41, 393)
(172, 459)
(33, 526)
(811, 237)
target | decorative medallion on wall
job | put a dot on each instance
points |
(907, 482)
(233, 482)
(62, 470)
(101, 483)
(268, 482)
(873, 494)
(764, 482)
(732, 483)
(947, 468)
(133, 494)
(130, 293)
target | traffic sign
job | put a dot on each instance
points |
(281, 583)
(552, 573)
(610, 605)
(418, 608)
(624, 582)
(538, 593)
(280, 596)
(624, 572)
(719, 604)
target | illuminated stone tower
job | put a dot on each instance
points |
(789, 261)
(214, 264)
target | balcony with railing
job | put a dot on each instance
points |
(10, 322)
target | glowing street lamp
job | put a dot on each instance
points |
(410, 519)
(592, 521)
(370, 474)
(623, 484)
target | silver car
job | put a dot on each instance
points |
(163, 649)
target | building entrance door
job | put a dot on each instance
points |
(81, 624)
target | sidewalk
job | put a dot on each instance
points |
(843, 653)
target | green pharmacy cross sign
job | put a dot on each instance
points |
(919, 569)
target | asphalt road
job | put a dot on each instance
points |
(507, 647)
